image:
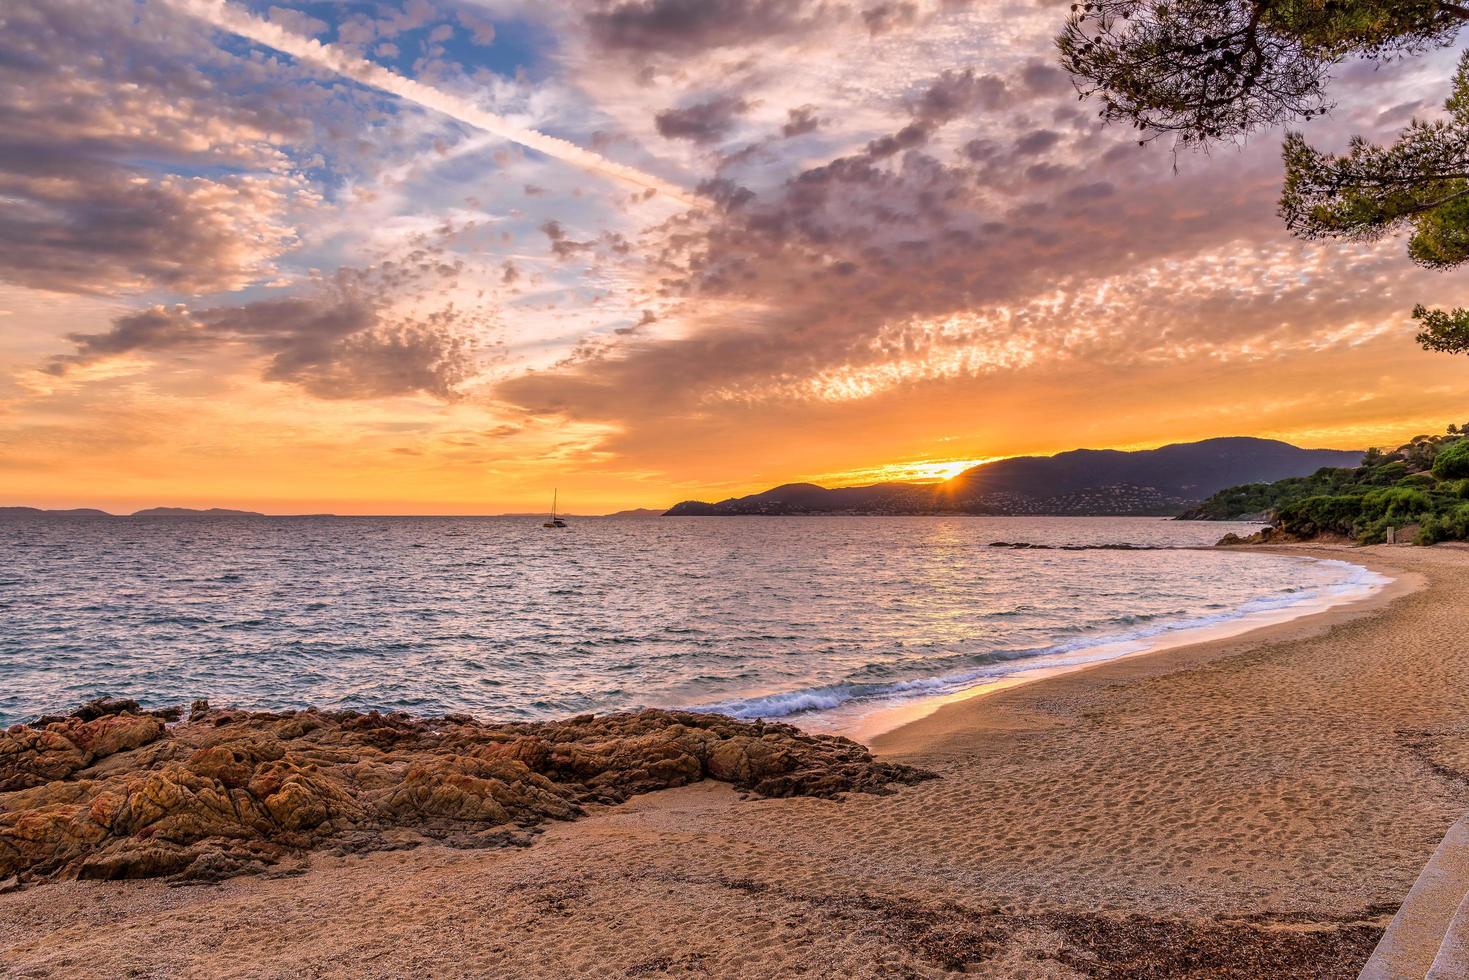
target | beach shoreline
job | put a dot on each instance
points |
(1257, 806)
(891, 732)
(873, 723)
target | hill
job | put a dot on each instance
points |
(1083, 482)
(1422, 486)
(191, 512)
(14, 512)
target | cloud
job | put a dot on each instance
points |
(83, 213)
(1036, 142)
(78, 227)
(342, 340)
(703, 122)
(926, 257)
(481, 29)
(800, 121)
(229, 18)
(888, 16)
(902, 210)
(562, 245)
(297, 21)
(955, 93)
(686, 27)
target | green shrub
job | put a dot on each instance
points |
(1425, 482)
(1326, 514)
(1452, 461)
(1387, 474)
(1403, 504)
(1451, 525)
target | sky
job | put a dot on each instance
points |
(443, 256)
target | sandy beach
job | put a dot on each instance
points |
(1252, 807)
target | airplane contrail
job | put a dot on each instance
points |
(235, 21)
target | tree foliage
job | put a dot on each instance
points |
(1452, 462)
(1209, 70)
(1423, 482)
(1221, 69)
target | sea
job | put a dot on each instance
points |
(800, 619)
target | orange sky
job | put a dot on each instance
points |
(235, 280)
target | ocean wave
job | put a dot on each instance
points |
(997, 664)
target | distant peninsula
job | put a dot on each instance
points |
(191, 512)
(1082, 483)
(22, 512)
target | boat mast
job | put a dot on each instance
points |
(554, 492)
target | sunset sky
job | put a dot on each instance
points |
(782, 240)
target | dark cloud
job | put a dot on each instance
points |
(955, 93)
(1036, 142)
(562, 245)
(1044, 78)
(341, 340)
(685, 27)
(703, 122)
(910, 136)
(75, 225)
(800, 121)
(1401, 114)
(889, 16)
(950, 96)
(1095, 191)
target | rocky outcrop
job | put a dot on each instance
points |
(35, 756)
(112, 792)
(1274, 535)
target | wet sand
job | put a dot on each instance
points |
(1252, 807)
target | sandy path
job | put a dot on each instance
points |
(1252, 807)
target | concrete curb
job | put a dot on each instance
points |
(1433, 922)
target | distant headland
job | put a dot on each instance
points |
(148, 512)
(1083, 483)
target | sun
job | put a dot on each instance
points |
(923, 470)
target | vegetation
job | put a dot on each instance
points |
(1210, 70)
(1424, 483)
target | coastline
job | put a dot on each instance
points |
(872, 723)
(1254, 806)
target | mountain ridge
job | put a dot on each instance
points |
(1080, 482)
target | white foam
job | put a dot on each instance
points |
(1357, 583)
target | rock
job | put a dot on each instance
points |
(116, 733)
(744, 761)
(143, 861)
(13, 885)
(102, 707)
(110, 793)
(1266, 535)
(31, 756)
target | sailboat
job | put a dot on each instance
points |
(554, 521)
